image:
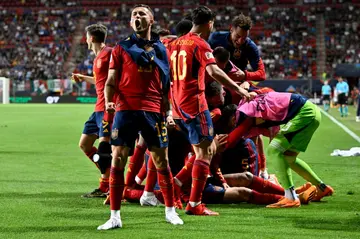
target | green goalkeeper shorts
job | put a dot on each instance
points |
(296, 134)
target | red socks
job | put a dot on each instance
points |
(133, 194)
(264, 186)
(166, 183)
(142, 174)
(151, 176)
(260, 149)
(263, 198)
(91, 154)
(135, 164)
(116, 187)
(104, 185)
(200, 173)
(186, 171)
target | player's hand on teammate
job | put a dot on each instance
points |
(220, 141)
(110, 107)
(252, 95)
(239, 75)
(76, 77)
(245, 85)
(241, 91)
(226, 186)
(170, 123)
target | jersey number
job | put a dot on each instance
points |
(178, 64)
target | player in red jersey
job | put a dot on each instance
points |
(136, 161)
(139, 73)
(190, 57)
(98, 125)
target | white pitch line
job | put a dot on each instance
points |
(346, 129)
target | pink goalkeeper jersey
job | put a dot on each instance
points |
(272, 106)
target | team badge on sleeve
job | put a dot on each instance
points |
(115, 133)
(209, 55)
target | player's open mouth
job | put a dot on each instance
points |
(138, 24)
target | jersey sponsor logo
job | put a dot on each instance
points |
(209, 55)
(115, 134)
(98, 63)
(237, 53)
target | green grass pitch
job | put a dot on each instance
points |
(43, 173)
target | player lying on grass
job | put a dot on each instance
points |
(299, 119)
(98, 125)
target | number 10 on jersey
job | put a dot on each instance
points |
(178, 62)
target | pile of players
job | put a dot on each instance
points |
(188, 104)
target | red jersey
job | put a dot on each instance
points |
(138, 88)
(100, 72)
(189, 56)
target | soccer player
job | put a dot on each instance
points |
(98, 125)
(190, 57)
(139, 72)
(342, 90)
(182, 28)
(222, 57)
(325, 93)
(242, 49)
(299, 119)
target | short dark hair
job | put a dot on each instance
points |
(202, 15)
(227, 112)
(144, 6)
(97, 31)
(213, 89)
(242, 21)
(221, 54)
(183, 27)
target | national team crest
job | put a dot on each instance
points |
(237, 53)
(98, 63)
(114, 133)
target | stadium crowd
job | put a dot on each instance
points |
(35, 42)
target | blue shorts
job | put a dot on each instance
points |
(213, 193)
(128, 123)
(199, 129)
(97, 125)
(242, 158)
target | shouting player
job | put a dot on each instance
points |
(139, 72)
(98, 125)
(190, 57)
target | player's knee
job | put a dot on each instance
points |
(160, 157)
(242, 194)
(84, 147)
(247, 176)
